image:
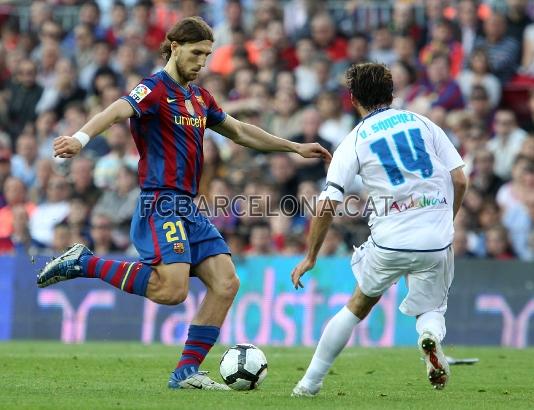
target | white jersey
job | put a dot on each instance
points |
(404, 160)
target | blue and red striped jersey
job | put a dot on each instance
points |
(168, 129)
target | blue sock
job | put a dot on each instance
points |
(199, 341)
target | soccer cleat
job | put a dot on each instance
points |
(301, 391)
(198, 380)
(64, 267)
(437, 366)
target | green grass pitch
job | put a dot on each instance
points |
(46, 375)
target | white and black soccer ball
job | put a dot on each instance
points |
(243, 367)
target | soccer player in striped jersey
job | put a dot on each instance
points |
(168, 116)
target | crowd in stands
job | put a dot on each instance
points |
(280, 65)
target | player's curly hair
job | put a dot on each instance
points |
(370, 84)
(188, 30)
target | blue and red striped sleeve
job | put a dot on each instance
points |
(144, 98)
(214, 114)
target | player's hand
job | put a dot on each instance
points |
(314, 150)
(66, 147)
(300, 270)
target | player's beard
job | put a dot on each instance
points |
(187, 76)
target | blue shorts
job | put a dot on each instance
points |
(167, 228)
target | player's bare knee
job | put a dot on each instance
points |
(228, 286)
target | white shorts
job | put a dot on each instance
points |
(428, 276)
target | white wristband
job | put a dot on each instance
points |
(82, 137)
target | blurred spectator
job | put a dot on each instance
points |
(527, 149)
(517, 19)
(528, 124)
(61, 238)
(323, 32)
(293, 245)
(120, 203)
(527, 59)
(222, 61)
(307, 85)
(458, 127)
(286, 120)
(497, 244)
(51, 212)
(403, 21)
(434, 13)
(357, 53)
(285, 50)
(479, 106)
(522, 182)
(114, 34)
(310, 168)
(78, 220)
(506, 142)
(222, 32)
(221, 213)
(101, 59)
(101, 235)
(44, 171)
(443, 42)
(15, 193)
(64, 91)
(519, 220)
(23, 163)
(40, 12)
(439, 90)
(406, 51)
(213, 166)
(82, 49)
(22, 97)
(50, 34)
(152, 34)
(503, 51)
(45, 129)
(478, 73)
(404, 78)
(46, 76)
(460, 245)
(382, 46)
(107, 167)
(81, 175)
(283, 172)
(482, 176)
(260, 240)
(335, 123)
(470, 26)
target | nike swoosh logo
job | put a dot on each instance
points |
(194, 385)
(171, 100)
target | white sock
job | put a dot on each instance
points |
(433, 322)
(334, 338)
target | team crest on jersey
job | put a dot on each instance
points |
(189, 106)
(178, 247)
(140, 92)
(201, 101)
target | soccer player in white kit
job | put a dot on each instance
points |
(414, 175)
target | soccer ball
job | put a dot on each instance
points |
(243, 367)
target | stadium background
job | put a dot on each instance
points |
(280, 65)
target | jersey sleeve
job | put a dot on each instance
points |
(214, 114)
(445, 150)
(144, 98)
(342, 171)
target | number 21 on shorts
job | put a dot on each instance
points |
(173, 229)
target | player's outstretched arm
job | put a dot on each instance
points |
(254, 137)
(69, 146)
(459, 181)
(320, 223)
